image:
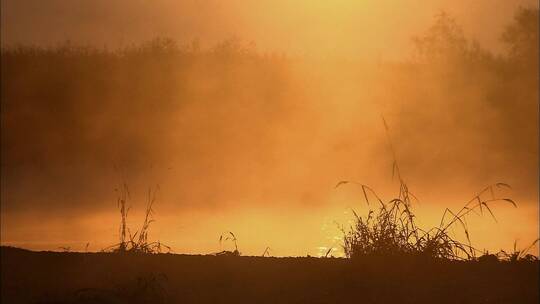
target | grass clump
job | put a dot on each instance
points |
(137, 242)
(228, 236)
(518, 255)
(391, 229)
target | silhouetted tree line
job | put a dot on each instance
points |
(53, 95)
(492, 97)
(71, 112)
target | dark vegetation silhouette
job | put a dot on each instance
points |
(266, 252)
(391, 231)
(229, 236)
(138, 241)
(447, 270)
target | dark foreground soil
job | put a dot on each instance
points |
(48, 277)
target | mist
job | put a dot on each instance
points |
(252, 134)
(366, 29)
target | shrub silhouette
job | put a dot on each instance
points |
(392, 231)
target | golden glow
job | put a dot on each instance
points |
(235, 154)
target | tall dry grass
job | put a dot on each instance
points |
(138, 242)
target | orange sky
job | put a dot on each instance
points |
(258, 149)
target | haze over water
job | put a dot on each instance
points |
(262, 108)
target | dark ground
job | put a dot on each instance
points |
(50, 277)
